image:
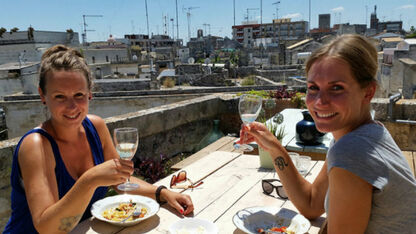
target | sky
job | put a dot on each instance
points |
(216, 17)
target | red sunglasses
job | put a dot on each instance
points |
(179, 181)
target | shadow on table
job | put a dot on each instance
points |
(142, 227)
(262, 169)
(317, 145)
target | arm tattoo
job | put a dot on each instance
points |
(68, 223)
(280, 163)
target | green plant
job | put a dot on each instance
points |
(261, 93)
(2, 30)
(153, 169)
(275, 127)
(299, 100)
(168, 82)
(248, 81)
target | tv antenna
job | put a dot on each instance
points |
(277, 8)
(84, 35)
(209, 28)
(248, 13)
(188, 16)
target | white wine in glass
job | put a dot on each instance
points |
(126, 141)
(249, 107)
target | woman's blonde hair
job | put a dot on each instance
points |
(60, 57)
(357, 51)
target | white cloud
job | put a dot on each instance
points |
(338, 9)
(406, 7)
(293, 16)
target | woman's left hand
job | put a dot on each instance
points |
(181, 202)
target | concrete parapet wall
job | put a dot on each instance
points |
(279, 75)
(404, 109)
(23, 115)
(26, 111)
(109, 85)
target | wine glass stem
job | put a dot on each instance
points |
(245, 134)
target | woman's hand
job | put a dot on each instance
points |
(181, 202)
(111, 172)
(259, 133)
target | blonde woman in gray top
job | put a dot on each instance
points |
(365, 185)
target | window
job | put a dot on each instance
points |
(93, 59)
(106, 58)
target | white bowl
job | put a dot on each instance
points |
(252, 218)
(193, 226)
(100, 206)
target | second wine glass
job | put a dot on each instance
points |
(126, 141)
(249, 107)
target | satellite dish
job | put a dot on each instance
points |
(191, 60)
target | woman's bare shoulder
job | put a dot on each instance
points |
(35, 149)
(98, 122)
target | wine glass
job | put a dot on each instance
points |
(126, 141)
(249, 107)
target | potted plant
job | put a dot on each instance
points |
(275, 127)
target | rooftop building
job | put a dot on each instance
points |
(28, 46)
(279, 29)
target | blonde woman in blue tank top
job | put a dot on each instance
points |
(61, 167)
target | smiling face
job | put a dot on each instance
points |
(335, 99)
(67, 97)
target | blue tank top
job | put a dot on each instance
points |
(21, 219)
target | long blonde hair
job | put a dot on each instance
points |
(356, 50)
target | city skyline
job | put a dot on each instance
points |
(120, 17)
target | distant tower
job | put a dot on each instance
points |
(373, 19)
(200, 33)
(324, 21)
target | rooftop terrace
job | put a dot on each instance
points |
(178, 125)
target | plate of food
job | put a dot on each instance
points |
(193, 226)
(124, 210)
(263, 219)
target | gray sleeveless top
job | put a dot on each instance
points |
(371, 153)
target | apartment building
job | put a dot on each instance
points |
(28, 46)
(155, 41)
(279, 29)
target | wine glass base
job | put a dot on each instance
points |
(244, 147)
(128, 186)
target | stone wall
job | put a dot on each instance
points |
(280, 75)
(108, 85)
(409, 77)
(23, 115)
(23, 112)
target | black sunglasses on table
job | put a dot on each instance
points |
(268, 188)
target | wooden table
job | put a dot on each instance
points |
(411, 159)
(232, 181)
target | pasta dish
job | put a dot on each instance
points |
(125, 211)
